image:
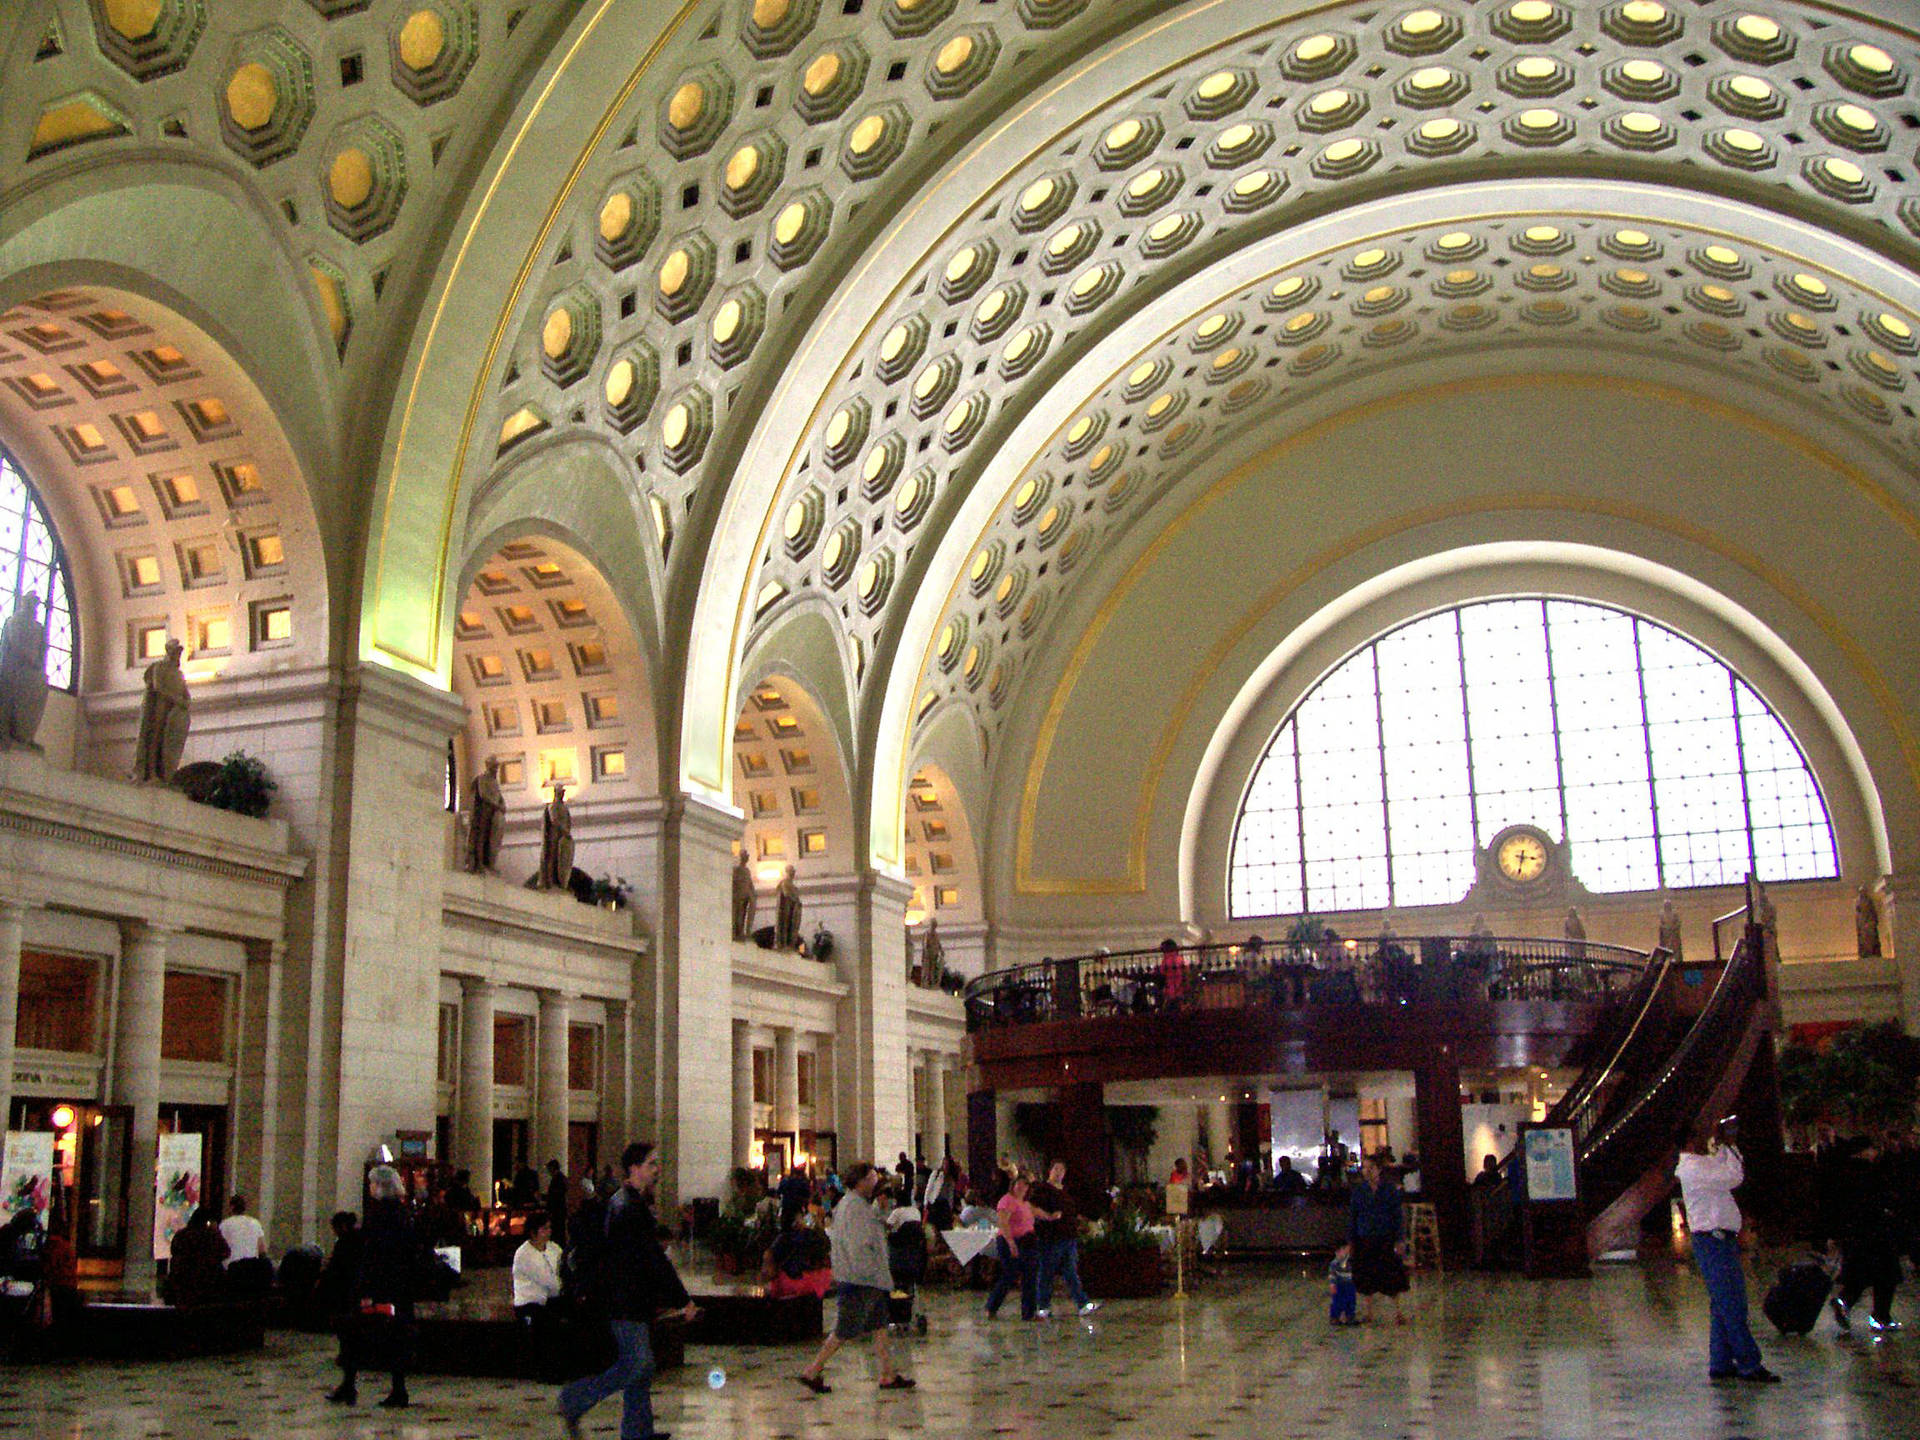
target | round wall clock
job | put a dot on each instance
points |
(1523, 854)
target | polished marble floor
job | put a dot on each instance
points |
(1249, 1354)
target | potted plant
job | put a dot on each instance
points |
(737, 1243)
(1121, 1259)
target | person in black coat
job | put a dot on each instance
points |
(377, 1333)
(638, 1284)
(1859, 1211)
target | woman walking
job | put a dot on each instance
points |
(1376, 1232)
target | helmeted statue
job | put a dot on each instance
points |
(1866, 923)
(1575, 930)
(1670, 929)
(744, 899)
(23, 675)
(786, 914)
(486, 819)
(556, 844)
(165, 715)
(933, 955)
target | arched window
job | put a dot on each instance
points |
(1656, 763)
(30, 561)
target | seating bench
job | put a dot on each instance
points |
(488, 1342)
(125, 1328)
(752, 1317)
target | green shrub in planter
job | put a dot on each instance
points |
(241, 785)
(1121, 1259)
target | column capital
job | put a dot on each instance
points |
(476, 987)
(1902, 885)
(137, 932)
(17, 911)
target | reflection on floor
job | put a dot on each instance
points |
(1617, 1358)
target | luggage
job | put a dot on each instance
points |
(1793, 1304)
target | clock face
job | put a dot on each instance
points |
(1522, 857)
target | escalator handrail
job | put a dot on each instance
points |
(1719, 1029)
(1570, 1110)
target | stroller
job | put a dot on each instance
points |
(907, 1259)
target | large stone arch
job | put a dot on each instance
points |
(1041, 430)
(1440, 581)
(1548, 473)
(180, 235)
(182, 506)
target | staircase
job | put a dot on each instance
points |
(1656, 1075)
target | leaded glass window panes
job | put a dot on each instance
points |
(31, 562)
(1658, 764)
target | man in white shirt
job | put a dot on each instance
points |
(245, 1237)
(248, 1269)
(536, 1269)
(1709, 1169)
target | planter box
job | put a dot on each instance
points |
(1112, 1273)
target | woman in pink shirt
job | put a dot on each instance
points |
(1016, 1249)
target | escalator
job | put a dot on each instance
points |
(1658, 1072)
(1626, 1160)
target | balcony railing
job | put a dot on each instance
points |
(1388, 971)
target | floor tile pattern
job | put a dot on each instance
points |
(1249, 1354)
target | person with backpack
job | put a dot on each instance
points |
(637, 1283)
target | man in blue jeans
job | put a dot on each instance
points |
(1709, 1169)
(640, 1286)
(1059, 1241)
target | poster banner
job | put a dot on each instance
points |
(1550, 1174)
(26, 1173)
(176, 1192)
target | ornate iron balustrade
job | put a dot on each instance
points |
(1394, 970)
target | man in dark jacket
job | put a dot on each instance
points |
(378, 1332)
(639, 1285)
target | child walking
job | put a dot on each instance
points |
(1340, 1311)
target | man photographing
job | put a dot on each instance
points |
(1709, 1170)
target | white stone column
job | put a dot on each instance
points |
(1219, 1131)
(786, 1081)
(868, 918)
(1903, 924)
(257, 1090)
(473, 1106)
(685, 996)
(377, 1075)
(826, 1088)
(616, 1080)
(936, 1126)
(742, 1093)
(136, 1084)
(550, 1094)
(13, 927)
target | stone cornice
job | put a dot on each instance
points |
(489, 903)
(795, 976)
(148, 823)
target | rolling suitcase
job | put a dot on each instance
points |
(1793, 1304)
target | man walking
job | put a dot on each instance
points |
(1059, 1240)
(640, 1286)
(864, 1281)
(1708, 1170)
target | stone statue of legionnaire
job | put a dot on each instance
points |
(1575, 928)
(744, 900)
(556, 844)
(1866, 923)
(786, 914)
(23, 675)
(1670, 929)
(165, 716)
(486, 819)
(933, 956)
